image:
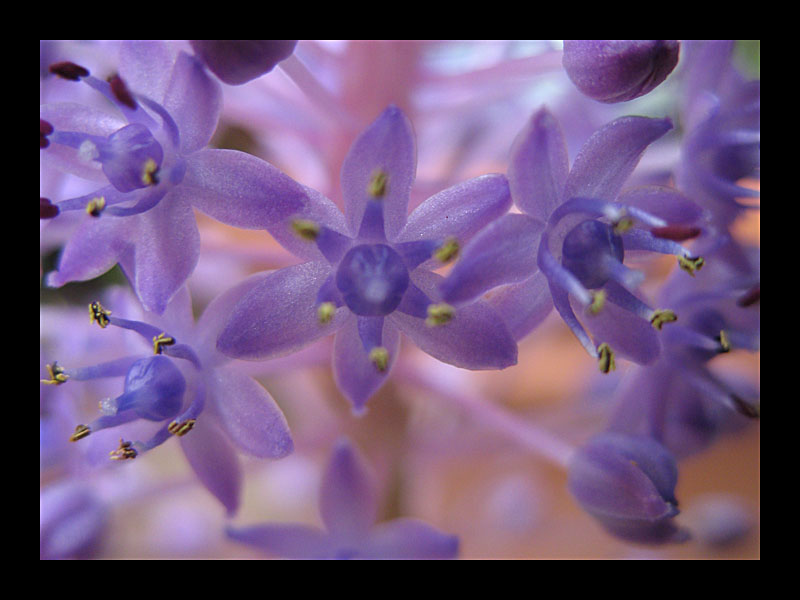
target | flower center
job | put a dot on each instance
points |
(372, 279)
(587, 249)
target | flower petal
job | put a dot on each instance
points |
(663, 202)
(477, 337)
(238, 61)
(146, 66)
(539, 166)
(348, 502)
(504, 252)
(387, 146)
(279, 315)
(610, 156)
(357, 377)
(409, 539)
(249, 415)
(523, 306)
(286, 540)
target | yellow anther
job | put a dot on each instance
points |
(149, 172)
(691, 264)
(598, 302)
(325, 312)
(81, 431)
(661, 316)
(126, 451)
(377, 184)
(605, 358)
(447, 251)
(379, 356)
(95, 206)
(724, 341)
(439, 314)
(57, 376)
(623, 225)
(181, 428)
(99, 314)
(161, 340)
(304, 229)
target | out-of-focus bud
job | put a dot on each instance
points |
(72, 521)
(238, 61)
(619, 70)
(628, 483)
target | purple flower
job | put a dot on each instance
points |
(238, 61)
(619, 70)
(72, 521)
(150, 159)
(368, 275)
(567, 249)
(185, 389)
(628, 484)
(348, 506)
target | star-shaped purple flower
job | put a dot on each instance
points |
(369, 272)
(149, 157)
(567, 248)
(348, 506)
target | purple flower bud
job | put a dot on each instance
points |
(628, 484)
(619, 70)
(238, 61)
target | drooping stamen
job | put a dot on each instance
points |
(676, 233)
(161, 340)
(661, 316)
(81, 431)
(69, 70)
(47, 210)
(691, 264)
(379, 356)
(447, 251)
(99, 314)
(181, 428)
(440, 314)
(121, 91)
(376, 187)
(305, 229)
(45, 129)
(326, 312)
(96, 206)
(750, 297)
(126, 451)
(605, 358)
(57, 375)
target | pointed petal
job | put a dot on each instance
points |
(146, 66)
(409, 539)
(279, 315)
(539, 166)
(476, 338)
(249, 415)
(663, 202)
(504, 252)
(523, 306)
(348, 500)
(214, 462)
(388, 147)
(610, 155)
(286, 540)
(357, 377)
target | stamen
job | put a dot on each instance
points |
(676, 233)
(379, 356)
(377, 184)
(691, 264)
(605, 358)
(724, 341)
(307, 230)
(623, 225)
(750, 297)
(661, 316)
(439, 314)
(150, 172)
(81, 431)
(161, 340)
(47, 210)
(598, 302)
(126, 451)
(57, 375)
(182, 428)
(95, 206)
(69, 70)
(325, 312)
(745, 408)
(447, 251)
(45, 129)
(99, 314)
(121, 91)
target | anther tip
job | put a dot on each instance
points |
(47, 210)
(81, 431)
(605, 358)
(121, 91)
(69, 70)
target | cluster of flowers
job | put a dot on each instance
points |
(466, 275)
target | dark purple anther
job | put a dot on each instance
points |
(69, 70)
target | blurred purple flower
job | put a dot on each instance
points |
(238, 61)
(367, 277)
(72, 521)
(573, 236)
(348, 506)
